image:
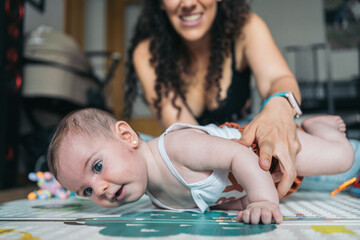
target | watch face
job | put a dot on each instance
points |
(290, 96)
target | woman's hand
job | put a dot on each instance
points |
(274, 130)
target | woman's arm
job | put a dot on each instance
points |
(147, 77)
(270, 69)
(274, 127)
(193, 151)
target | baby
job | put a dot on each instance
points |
(189, 168)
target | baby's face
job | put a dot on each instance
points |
(108, 171)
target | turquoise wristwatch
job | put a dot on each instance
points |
(291, 99)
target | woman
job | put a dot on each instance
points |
(193, 59)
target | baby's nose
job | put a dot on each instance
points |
(101, 188)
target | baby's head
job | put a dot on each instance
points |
(96, 156)
(86, 123)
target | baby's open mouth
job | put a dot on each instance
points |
(118, 193)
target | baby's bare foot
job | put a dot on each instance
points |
(310, 124)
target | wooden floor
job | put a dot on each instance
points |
(12, 194)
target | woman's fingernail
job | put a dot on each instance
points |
(265, 163)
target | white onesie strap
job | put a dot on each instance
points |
(224, 132)
(167, 160)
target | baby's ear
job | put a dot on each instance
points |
(126, 133)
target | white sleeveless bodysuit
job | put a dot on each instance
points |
(220, 187)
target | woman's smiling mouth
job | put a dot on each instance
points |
(190, 20)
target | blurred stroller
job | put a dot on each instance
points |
(58, 78)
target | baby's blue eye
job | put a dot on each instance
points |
(87, 192)
(97, 167)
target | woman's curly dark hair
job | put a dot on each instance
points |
(169, 56)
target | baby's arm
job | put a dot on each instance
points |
(262, 200)
(198, 151)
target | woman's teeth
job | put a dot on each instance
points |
(191, 18)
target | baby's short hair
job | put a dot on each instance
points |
(89, 122)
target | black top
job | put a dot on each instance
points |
(230, 109)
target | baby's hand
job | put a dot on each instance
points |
(263, 211)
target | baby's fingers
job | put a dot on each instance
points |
(271, 216)
(277, 216)
(266, 216)
(255, 215)
(243, 216)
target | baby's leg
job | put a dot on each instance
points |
(326, 127)
(325, 149)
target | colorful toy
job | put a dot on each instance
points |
(353, 185)
(49, 187)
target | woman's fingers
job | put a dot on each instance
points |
(276, 176)
(275, 139)
(288, 171)
(266, 152)
(248, 136)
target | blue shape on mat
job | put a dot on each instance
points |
(166, 223)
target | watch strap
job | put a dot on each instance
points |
(286, 95)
